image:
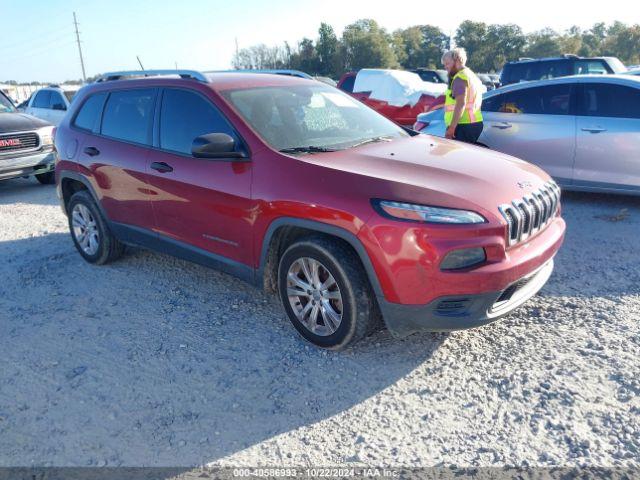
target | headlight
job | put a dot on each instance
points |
(422, 213)
(46, 136)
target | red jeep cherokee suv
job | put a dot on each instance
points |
(297, 187)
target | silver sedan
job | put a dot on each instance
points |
(583, 130)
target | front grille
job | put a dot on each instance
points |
(528, 215)
(14, 142)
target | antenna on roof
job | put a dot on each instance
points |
(140, 63)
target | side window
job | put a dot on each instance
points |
(128, 115)
(348, 84)
(56, 102)
(186, 115)
(548, 100)
(42, 100)
(583, 67)
(608, 100)
(87, 118)
(556, 68)
(493, 103)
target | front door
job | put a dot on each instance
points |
(608, 137)
(205, 203)
(534, 124)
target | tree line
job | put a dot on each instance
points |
(365, 44)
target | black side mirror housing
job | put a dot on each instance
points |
(59, 106)
(215, 145)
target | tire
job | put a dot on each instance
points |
(359, 314)
(48, 178)
(84, 215)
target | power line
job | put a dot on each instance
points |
(75, 22)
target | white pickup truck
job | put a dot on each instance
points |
(26, 145)
(50, 104)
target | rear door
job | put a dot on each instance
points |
(40, 105)
(116, 157)
(535, 124)
(205, 203)
(608, 137)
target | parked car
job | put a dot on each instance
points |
(327, 80)
(50, 103)
(434, 76)
(635, 71)
(397, 94)
(545, 68)
(26, 145)
(583, 130)
(486, 81)
(301, 189)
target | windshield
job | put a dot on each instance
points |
(301, 116)
(70, 94)
(5, 104)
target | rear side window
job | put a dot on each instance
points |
(608, 100)
(556, 68)
(56, 102)
(348, 84)
(584, 67)
(186, 115)
(548, 100)
(128, 115)
(42, 99)
(87, 118)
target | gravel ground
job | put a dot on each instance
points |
(153, 361)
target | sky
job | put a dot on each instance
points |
(37, 38)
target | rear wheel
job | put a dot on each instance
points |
(326, 294)
(48, 178)
(90, 232)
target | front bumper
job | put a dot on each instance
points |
(459, 312)
(24, 165)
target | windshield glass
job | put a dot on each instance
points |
(301, 116)
(70, 94)
(5, 104)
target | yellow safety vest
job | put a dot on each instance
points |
(472, 108)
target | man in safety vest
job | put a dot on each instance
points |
(462, 114)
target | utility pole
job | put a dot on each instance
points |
(139, 62)
(75, 23)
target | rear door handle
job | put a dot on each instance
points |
(594, 129)
(92, 151)
(502, 125)
(162, 167)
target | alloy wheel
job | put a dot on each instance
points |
(85, 229)
(314, 296)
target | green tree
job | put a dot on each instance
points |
(543, 43)
(472, 37)
(328, 51)
(366, 45)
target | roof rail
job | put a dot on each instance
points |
(193, 74)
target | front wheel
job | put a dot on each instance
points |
(326, 294)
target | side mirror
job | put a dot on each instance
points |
(58, 106)
(215, 145)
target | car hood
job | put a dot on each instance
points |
(19, 122)
(435, 171)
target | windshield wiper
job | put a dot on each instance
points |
(308, 149)
(372, 140)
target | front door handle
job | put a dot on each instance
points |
(162, 167)
(92, 151)
(594, 129)
(502, 126)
